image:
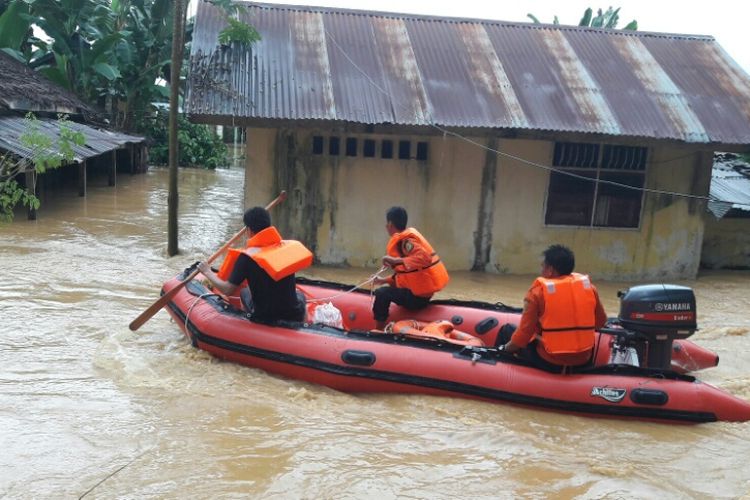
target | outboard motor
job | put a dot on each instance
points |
(654, 316)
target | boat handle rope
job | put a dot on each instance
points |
(371, 279)
(190, 309)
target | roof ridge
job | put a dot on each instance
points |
(472, 20)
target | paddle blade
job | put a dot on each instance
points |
(160, 302)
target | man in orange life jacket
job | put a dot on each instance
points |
(273, 294)
(418, 272)
(561, 310)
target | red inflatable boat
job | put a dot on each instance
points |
(354, 359)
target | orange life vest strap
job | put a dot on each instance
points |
(434, 262)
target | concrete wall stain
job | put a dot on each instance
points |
(483, 234)
(299, 174)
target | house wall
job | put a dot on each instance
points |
(479, 210)
(726, 243)
(667, 244)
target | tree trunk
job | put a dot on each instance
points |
(174, 103)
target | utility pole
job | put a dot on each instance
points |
(178, 48)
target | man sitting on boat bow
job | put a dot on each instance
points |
(268, 264)
(561, 312)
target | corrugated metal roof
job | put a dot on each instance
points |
(98, 141)
(23, 89)
(730, 182)
(369, 67)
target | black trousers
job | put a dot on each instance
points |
(401, 296)
(297, 313)
(528, 353)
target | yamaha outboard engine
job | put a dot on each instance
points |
(657, 315)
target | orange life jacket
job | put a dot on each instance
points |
(279, 258)
(568, 319)
(437, 330)
(422, 282)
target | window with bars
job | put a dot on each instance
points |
(596, 185)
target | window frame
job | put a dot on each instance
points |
(640, 169)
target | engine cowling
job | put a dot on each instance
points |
(658, 314)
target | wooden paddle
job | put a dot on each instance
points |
(167, 297)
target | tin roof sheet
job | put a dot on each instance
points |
(316, 63)
(730, 181)
(98, 141)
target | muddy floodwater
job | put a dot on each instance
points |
(90, 409)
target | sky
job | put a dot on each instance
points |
(725, 20)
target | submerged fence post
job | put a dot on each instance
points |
(113, 169)
(82, 178)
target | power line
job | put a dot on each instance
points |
(523, 160)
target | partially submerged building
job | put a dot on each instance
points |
(726, 241)
(23, 91)
(499, 138)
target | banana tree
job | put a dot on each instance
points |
(110, 52)
(143, 57)
(607, 19)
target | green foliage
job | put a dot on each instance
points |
(14, 25)
(198, 145)
(46, 153)
(109, 52)
(237, 31)
(608, 19)
(586, 19)
(11, 194)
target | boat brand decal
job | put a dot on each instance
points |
(673, 306)
(664, 316)
(608, 393)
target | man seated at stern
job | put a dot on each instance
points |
(561, 312)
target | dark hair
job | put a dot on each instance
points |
(397, 216)
(561, 258)
(257, 219)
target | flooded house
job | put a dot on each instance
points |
(24, 91)
(499, 138)
(726, 240)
